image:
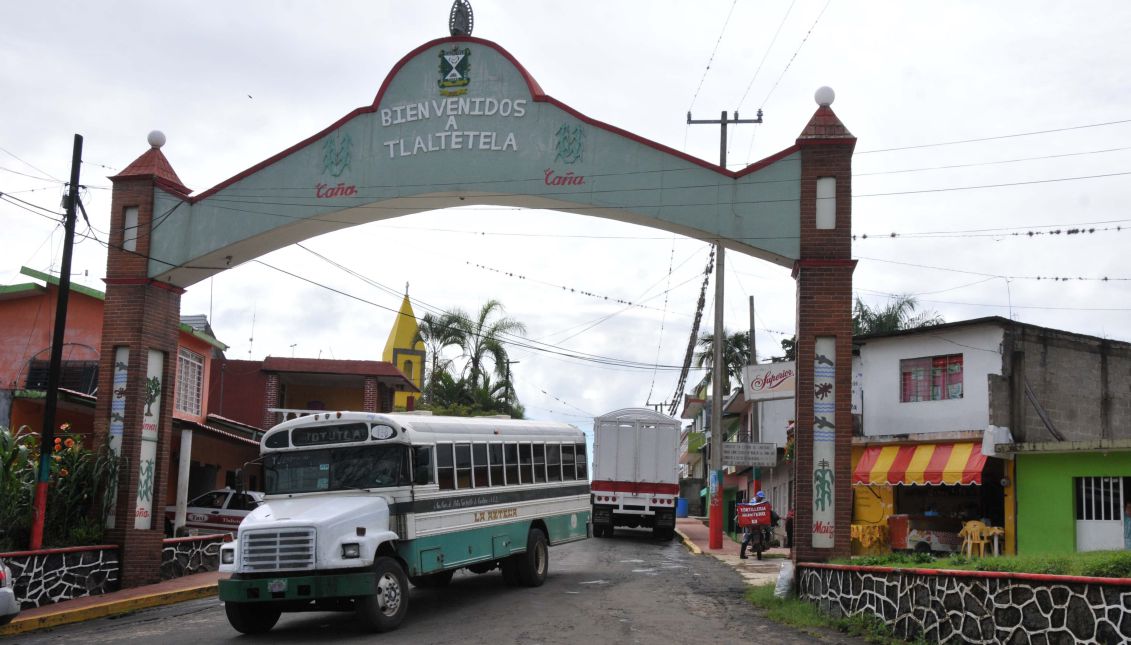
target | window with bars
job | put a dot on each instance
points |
(933, 378)
(190, 381)
(1099, 498)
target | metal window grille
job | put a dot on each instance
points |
(1099, 498)
(190, 381)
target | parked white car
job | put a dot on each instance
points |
(218, 511)
(9, 605)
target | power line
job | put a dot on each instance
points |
(29, 165)
(989, 163)
(765, 55)
(995, 275)
(995, 138)
(766, 100)
(712, 58)
(1001, 185)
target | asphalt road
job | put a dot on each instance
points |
(629, 589)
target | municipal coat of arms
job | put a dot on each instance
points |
(455, 71)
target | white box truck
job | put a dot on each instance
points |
(635, 471)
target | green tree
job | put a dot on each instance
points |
(481, 339)
(897, 315)
(736, 354)
(437, 333)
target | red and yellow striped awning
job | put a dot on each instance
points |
(921, 464)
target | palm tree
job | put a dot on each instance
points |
(481, 339)
(437, 333)
(897, 315)
(736, 354)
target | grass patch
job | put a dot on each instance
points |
(805, 616)
(1103, 564)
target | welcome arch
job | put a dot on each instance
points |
(459, 121)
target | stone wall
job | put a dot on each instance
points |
(188, 555)
(975, 606)
(53, 575)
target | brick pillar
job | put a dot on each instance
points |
(370, 399)
(271, 400)
(137, 369)
(823, 273)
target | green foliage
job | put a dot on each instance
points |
(806, 616)
(482, 341)
(736, 354)
(1102, 564)
(76, 476)
(1107, 564)
(899, 314)
(17, 486)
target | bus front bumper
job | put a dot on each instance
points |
(300, 588)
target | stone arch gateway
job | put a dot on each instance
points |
(458, 121)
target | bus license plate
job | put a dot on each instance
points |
(277, 586)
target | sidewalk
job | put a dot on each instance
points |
(167, 592)
(696, 537)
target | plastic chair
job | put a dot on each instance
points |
(974, 534)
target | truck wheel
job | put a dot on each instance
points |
(433, 580)
(251, 617)
(662, 533)
(385, 609)
(535, 563)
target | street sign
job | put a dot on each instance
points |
(763, 455)
(769, 381)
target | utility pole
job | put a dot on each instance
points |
(54, 371)
(715, 489)
(510, 385)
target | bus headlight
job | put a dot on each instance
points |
(227, 556)
(351, 550)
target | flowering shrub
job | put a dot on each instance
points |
(77, 475)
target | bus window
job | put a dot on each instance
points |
(422, 465)
(496, 454)
(463, 465)
(569, 471)
(512, 463)
(526, 465)
(582, 462)
(445, 467)
(539, 463)
(479, 467)
(554, 462)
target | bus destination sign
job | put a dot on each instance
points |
(345, 433)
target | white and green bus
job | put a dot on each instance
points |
(358, 504)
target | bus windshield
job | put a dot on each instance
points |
(342, 468)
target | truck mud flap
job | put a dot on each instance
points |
(603, 516)
(665, 519)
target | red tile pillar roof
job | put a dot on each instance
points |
(141, 322)
(823, 492)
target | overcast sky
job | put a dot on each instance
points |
(966, 227)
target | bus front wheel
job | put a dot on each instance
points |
(251, 617)
(386, 608)
(535, 563)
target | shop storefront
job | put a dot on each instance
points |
(918, 497)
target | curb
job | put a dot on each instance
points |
(686, 543)
(101, 610)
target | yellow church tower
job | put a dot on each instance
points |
(407, 356)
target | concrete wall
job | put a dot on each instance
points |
(1083, 385)
(884, 414)
(1046, 521)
